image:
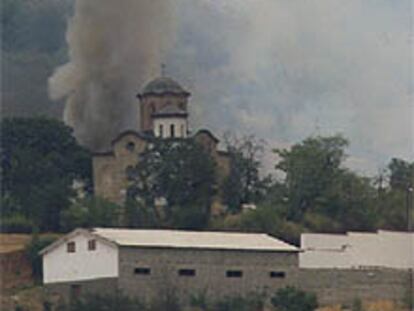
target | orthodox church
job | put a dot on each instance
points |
(163, 114)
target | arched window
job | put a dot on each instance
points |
(152, 107)
(161, 131)
(182, 130)
(172, 130)
(130, 146)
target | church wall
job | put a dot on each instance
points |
(110, 171)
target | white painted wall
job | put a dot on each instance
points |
(61, 266)
(324, 251)
(166, 123)
(399, 249)
(362, 250)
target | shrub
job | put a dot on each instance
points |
(90, 212)
(199, 300)
(33, 248)
(117, 301)
(16, 223)
(357, 305)
(251, 303)
(293, 299)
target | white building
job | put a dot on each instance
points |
(386, 249)
(141, 262)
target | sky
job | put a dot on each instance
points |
(284, 70)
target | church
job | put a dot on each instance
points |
(163, 114)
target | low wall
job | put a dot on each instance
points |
(15, 270)
(334, 286)
(66, 290)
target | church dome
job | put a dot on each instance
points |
(164, 85)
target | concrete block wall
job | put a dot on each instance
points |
(337, 286)
(210, 268)
(332, 286)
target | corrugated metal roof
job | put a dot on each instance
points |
(193, 239)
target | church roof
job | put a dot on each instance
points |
(170, 111)
(164, 85)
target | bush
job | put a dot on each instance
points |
(118, 302)
(292, 299)
(36, 244)
(357, 305)
(16, 223)
(252, 303)
(90, 212)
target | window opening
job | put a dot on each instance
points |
(130, 146)
(172, 130)
(91, 245)
(161, 129)
(186, 272)
(71, 247)
(234, 273)
(277, 274)
(142, 271)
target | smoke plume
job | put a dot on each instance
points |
(114, 47)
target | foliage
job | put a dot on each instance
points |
(310, 168)
(266, 218)
(90, 212)
(16, 223)
(244, 185)
(116, 301)
(180, 172)
(293, 299)
(137, 215)
(40, 160)
(401, 174)
(357, 305)
(318, 192)
(33, 248)
(251, 302)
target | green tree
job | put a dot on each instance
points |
(401, 174)
(244, 184)
(36, 244)
(90, 212)
(395, 198)
(40, 160)
(310, 167)
(293, 299)
(180, 172)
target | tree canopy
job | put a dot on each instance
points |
(40, 161)
(180, 173)
(244, 184)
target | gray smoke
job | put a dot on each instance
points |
(114, 47)
(285, 70)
